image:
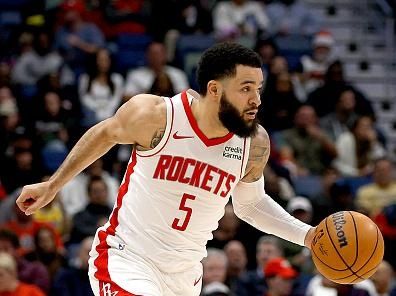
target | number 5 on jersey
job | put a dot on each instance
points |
(176, 225)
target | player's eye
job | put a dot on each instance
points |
(246, 89)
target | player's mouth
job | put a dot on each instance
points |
(251, 114)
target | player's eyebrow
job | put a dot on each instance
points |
(251, 82)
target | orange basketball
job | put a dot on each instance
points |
(347, 247)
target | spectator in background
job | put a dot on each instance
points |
(279, 276)
(279, 103)
(237, 261)
(386, 221)
(292, 17)
(20, 166)
(52, 121)
(267, 50)
(322, 200)
(9, 282)
(9, 120)
(184, 17)
(100, 89)
(36, 61)
(5, 74)
(343, 117)
(313, 67)
(74, 281)
(26, 228)
(323, 99)
(215, 289)
(47, 251)
(306, 144)
(86, 222)
(373, 197)
(33, 273)
(126, 16)
(52, 127)
(76, 39)
(341, 198)
(319, 286)
(191, 17)
(277, 66)
(74, 195)
(240, 18)
(62, 83)
(383, 279)
(358, 149)
(3, 193)
(54, 214)
(252, 282)
(143, 79)
(214, 267)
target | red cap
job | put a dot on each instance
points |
(324, 39)
(279, 267)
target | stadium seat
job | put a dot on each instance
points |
(53, 154)
(293, 47)
(190, 66)
(130, 52)
(10, 18)
(191, 44)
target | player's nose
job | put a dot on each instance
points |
(255, 99)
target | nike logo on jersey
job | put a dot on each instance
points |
(178, 137)
(198, 280)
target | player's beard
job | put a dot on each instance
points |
(233, 120)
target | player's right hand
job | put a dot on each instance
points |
(34, 197)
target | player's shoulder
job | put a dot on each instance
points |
(147, 106)
(261, 138)
(139, 118)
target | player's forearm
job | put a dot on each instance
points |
(91, 146)
(252, 205)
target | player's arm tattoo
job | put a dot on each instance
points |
(157, 137)
(257, 153)
(258, 156)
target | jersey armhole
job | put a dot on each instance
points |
(170, 113)
(245, 157)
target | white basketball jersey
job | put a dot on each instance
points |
(173, 196)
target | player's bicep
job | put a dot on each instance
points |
(258, 156)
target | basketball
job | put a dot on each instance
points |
(347, 247)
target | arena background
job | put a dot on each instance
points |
(328, 104)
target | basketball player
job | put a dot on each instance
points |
(191, 152)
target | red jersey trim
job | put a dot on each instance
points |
(208, 142)
(155, 150)
(102, 261)
(243, 158)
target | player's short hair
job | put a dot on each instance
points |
(220, 61)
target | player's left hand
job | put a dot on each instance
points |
(309, 237)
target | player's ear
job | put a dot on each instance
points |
(214, 89)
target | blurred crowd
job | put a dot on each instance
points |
(66, 65)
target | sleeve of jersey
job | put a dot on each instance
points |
(257, 208)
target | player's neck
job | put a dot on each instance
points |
(205, 113)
